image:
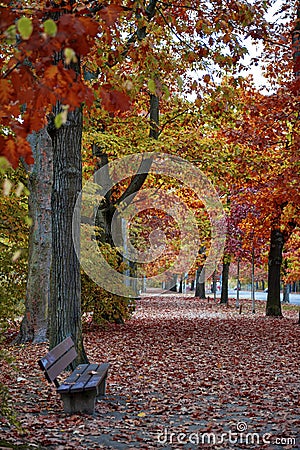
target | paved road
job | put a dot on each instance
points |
(294, 298)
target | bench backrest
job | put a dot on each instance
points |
(58, 359)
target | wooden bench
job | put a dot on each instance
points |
(88, 381)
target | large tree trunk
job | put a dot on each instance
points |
(34, 325)
(65, 301)
(225, 278)
(273, 307)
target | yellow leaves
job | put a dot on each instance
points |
(16, 255)
(141, 414)
(70, 55)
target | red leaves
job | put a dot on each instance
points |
(114, 101)
(5, 91)
(40, 83)
(77, 33)
(178, 364)
(7, 18)
(110, 14)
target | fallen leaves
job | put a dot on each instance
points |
(179, 364)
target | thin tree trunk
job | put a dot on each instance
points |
(237, 303)
(65, 301)
(225, 278)
(273, 307)
(34, 325)
(200, 285)
(286, 286)
(173, 287)
(286, 293)
(252, 281)
(193, 284)
(180, 286)
(214, 285)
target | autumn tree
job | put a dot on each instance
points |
(269, 163)
(45, 49)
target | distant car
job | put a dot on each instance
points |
(235, 288)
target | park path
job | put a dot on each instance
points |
(185, 374)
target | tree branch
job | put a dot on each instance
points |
(136, 183)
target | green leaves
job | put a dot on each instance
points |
(61, 118)
(157, 88)
(152, 86)
(50, 27)
(25, 27)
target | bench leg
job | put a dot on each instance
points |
(102, 388)
(80, 402)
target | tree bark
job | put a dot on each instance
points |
(273, 307)
(286, 293)
(225, 278)
(34, 325)
(200, 285)
(65, 301)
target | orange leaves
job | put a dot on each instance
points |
(51, 73)
(60, 83)
(31, 90)
(13, 149)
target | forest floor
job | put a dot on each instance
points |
(185, 374)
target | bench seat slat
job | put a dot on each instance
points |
(97, 378)
(84, 378)
(80, 373)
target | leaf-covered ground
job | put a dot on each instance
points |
(184, 374)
